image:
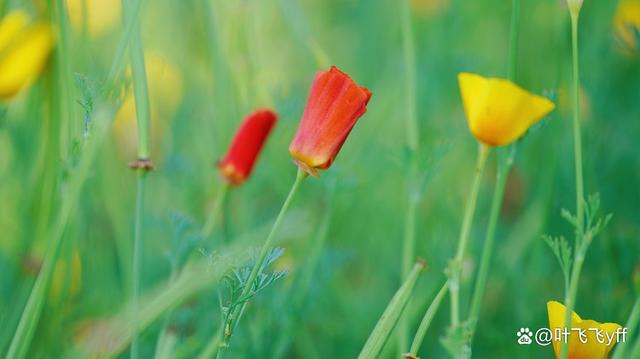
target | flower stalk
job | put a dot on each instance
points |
(455, 267)
(235, 315)
(207, 229)
(580, 246)
(143, 164)
(413, 143)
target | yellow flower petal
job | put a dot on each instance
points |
(590, 347)
(498, 111)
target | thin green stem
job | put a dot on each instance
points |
(487, 250)
(513, 40)
(413, 143)
(408, 49)
(215, 211)
(137, 253)
(455, 268)
(579, 248)
(236, 314)
(426, 322)
(631, 325)
(129, 27)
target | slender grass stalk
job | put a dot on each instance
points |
(137, 253)
(130, 23)
(426, 322)
(236, 314)
(30, 316)
(632, 326)
(413, 143)
(215, 211)
(455, 268)
(391, 315)
(580, 248)
(143, 164)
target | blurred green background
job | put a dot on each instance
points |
(219, 60)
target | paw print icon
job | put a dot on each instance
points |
(524, 336)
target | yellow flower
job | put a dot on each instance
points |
(165, 95)
(498, 111)
(101, 15)
(24, 50)
(626, 22)
(591, 346)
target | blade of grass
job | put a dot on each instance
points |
(426, 322)
(381, 332)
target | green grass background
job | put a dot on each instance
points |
(251, 54)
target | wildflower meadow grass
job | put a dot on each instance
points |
(320, 179)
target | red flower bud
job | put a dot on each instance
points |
(238, 163)
(334, 105)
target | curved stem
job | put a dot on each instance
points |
(579, 248)
(456, 264)
(215, 211)
(236, 313)
(426, 322)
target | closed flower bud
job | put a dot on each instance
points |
(334, 105)
(498, 111)
(238, 163)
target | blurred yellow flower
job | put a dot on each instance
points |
(589, 347)
(101, 15)
(498, 111)
(626, 22)
(67, 277)
(165, 95)
(24, 50)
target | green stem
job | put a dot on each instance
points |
(631, 326)
(504, 166)
(426, 322)
(236, 314)
(580, 249)
(215, 211)
(129, 27)
(456, 265)
(137, 253)
(413, 143)
(513, 40)
(381, 332)
(31, 314)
